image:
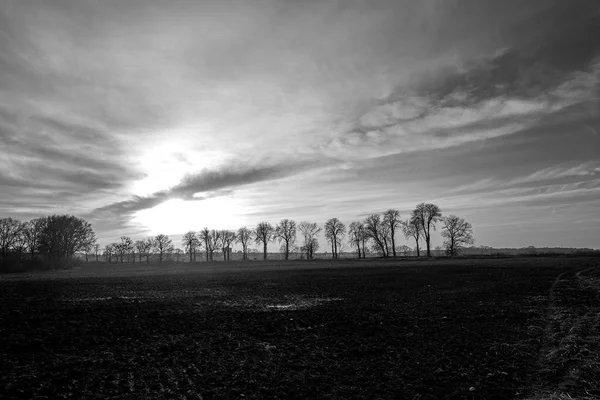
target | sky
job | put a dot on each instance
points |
(147, 116)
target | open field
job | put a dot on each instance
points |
(457, 329)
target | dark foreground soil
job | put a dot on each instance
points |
(470, 329)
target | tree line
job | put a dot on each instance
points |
(59, 237)
(376, 233)
(50, 241)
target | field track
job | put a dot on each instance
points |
(461, 329)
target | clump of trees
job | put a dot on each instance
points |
(49, 242)
(55, 240)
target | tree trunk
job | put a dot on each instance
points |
(265, 250)
(418, 250)
(358, 249)
(393, 246)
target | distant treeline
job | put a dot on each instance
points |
(57, 241)
(47, 242)
(375, 236)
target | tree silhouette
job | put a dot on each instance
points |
(244, 235)
(190, 242)
(264, 233)
(392, 219)
(334, 233)
(357, 235)
(33, 234)
(10, 230)
(458, 234)
(227, 238)
(63, 236)
(412, 230)
(309, 231)
(162, 245)
(428, 215)
(143, 248)
(125, 246)
(285, 231)
(204, 237)
(376, 230)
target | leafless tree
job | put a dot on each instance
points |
(376, 230)
(428, 215)
(357, 238)
(458, 234)
(190, 244)
(97, 250)
(392, 219)
(89, 247)
(10, 230)
(412, 230)
(108, 252)
(63, 236)
(285, 231)
(215, 241)
(124, 247)
(244, 235)
(144, 247)
(264, 233)
(227, 239)
(309, 231)
(162, 245)
(204, 237)
(33, 234)
(334, 233)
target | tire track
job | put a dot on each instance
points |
(569, 357)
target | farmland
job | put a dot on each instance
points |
(456, 329)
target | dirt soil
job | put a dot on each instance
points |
(460, 329)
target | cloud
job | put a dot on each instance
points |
(206, 184)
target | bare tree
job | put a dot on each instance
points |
(108, 252)
(376, 230)
(10, 230)
(412, 230)
(162, 245)
(215, 241)
(334, 233)
(89, 247)
(143, 248)
(458, 234)
(97, 250)
(124, 247)
(310, 231)
(227, 239)
(190, 243)
(285, 231)
(428, 215)
(357, 235)
(264, 233)
(33, 234)
(244, 235)
(392, 219)
(63, 236)
(204, 237)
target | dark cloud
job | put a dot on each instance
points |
(538, 53)
(209, 183)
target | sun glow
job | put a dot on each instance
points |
(165, 162)
(178, 216)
